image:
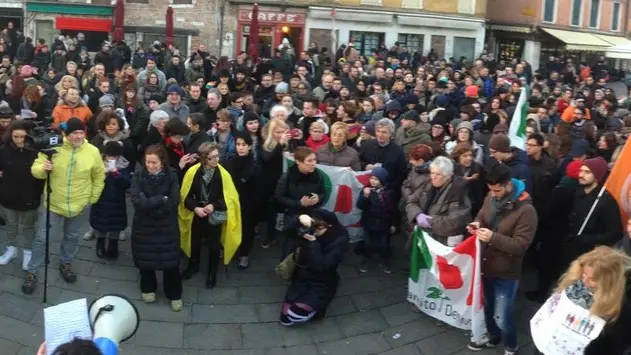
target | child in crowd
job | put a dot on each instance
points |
(108, 217)
(375, 202)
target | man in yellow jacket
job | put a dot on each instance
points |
(77, 178)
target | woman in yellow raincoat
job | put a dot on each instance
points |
(209, 208)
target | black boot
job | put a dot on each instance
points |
(213, 264)
(100, 248)
(191, 269)
(112, 249)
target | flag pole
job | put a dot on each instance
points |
(591, 210)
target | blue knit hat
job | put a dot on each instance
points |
(381, 174)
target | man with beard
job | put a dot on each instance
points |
(241, 81)
(6, 67)
(264, 92)
(602, 227)
(194, 101)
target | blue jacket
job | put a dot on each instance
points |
(519, 168)
(109, 214)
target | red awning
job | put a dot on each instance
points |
(83, 24)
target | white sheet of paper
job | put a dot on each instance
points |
(65, 322)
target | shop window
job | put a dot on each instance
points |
(411, 42)
(365, 42)
(93, 40)
(45, 30)
(464, 47)
(179, 41)
(510, 50)
(549, 10)
(577, 6)
(594, 14)
(615, 16)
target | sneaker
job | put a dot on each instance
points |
(10, 254)
(26, 259)
(29, 283)
(483, 345)
(176, 305)
(149, 297)
(89, 235)
(67, 274)
(123, 235)
(509, 351)
(364, 265)
(265, 244)
(385, 267)
(244, 263)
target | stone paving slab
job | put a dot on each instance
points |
(369, 315)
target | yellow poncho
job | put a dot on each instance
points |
(230, 231)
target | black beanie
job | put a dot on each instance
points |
(73, 124)
(113, 149)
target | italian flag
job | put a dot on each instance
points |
(517, 128)
(445, 282)
(343, 186)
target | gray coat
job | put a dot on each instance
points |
(182, 112)
(345, 157)
(450, 209)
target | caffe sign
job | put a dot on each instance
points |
(273, 17)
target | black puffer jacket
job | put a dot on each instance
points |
(155, 238)
(293, 185)
(19, 190)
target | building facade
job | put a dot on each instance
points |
(195, 21)
(536, 29)
(452, 28)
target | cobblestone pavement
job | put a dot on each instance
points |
(369, 315)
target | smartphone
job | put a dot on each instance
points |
(111, 164)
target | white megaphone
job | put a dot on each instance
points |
(113, 319)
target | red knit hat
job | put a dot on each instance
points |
(598, 167)
(573, 168)
(471, 91)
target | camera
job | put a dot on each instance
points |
(44, 138)
(302, 230)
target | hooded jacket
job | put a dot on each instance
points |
(77, 179)
(64, 112)
(514, 224)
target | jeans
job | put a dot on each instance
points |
(70, 227)
(20, 220)
(499, 299)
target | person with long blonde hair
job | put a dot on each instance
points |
(276, 136)
(600, 281)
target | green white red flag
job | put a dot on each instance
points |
(445, 282)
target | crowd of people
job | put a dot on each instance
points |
(198, 143)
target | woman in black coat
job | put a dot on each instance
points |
(205, 198)
(245, 173)
(20, 192)
(110, 129)
(299, 190)
(108, 217)
(315, 278)
(155, 194)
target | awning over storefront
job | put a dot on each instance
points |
(504, 28)
(614, 40)
(620, 52)
(83, 24)
(579, 41)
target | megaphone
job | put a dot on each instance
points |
(114, 319)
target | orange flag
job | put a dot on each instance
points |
(619, 182)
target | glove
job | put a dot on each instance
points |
(424, 221)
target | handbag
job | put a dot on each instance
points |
(286, 268)
(217, 217)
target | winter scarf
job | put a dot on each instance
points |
(497, 206)
(177, 148)
(580, 294)
(118, 137)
